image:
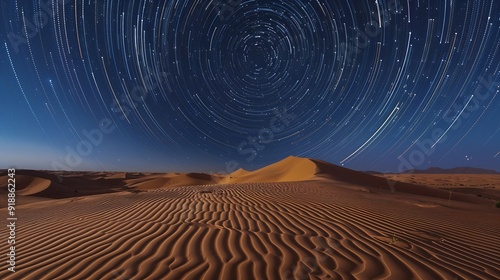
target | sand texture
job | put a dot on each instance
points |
(296, 219)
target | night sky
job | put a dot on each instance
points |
(148, 85)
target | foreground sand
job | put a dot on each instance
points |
(323, 228)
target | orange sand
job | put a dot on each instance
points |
(296, 219)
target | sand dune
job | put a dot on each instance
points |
(32, 185)
(287, 170)
(290, 169)
(315, 221)
(303, 169)
(239, 173)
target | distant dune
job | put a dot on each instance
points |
(287, 170)
(456, 170)
(239, 173)
(296, 219)
(32, 184)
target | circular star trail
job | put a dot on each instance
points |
(382, 85)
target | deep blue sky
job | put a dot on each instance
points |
(217, 85)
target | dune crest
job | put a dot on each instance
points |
(239, 173)
(287, 170)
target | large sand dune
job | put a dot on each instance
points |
(316, 221)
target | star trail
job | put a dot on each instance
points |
(213, 86)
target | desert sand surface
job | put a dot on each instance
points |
(296, 219)
(481, 185)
